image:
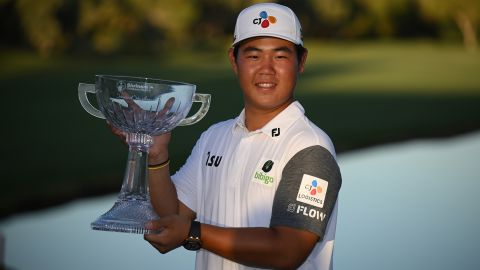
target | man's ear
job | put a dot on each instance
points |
(303, 60)
(233, 61)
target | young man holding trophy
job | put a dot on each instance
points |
(259, 190)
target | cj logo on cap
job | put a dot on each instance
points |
(264, 19)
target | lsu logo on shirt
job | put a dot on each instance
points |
(312, 191)
(213, 160)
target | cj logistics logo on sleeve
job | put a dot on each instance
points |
(312, 191)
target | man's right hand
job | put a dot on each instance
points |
(158, 151)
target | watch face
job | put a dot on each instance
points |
(192, 244)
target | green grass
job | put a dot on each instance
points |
(360, 94)
(398, 68)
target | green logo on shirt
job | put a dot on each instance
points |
(265, 179)
(267, 166)
(264, 173)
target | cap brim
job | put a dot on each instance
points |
(264, 34)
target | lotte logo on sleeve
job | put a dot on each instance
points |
(312, 191)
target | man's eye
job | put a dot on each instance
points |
(252, 57)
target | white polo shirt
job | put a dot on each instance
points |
(283, 174)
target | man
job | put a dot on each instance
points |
(259, 190)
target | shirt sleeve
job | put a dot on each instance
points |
(188, 177)
(308, 190)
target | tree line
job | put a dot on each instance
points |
(115, 26)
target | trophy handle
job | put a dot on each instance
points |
(205, 100)
(83, 89)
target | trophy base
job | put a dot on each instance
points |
(129, 216)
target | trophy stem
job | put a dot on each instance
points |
(135, 181)
(133, 208)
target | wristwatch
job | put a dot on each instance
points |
(193, 241)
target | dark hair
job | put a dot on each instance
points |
(298, 48)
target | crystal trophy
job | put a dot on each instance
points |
(141, 108)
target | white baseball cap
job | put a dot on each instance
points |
(268, 19)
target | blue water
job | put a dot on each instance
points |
(411, 205)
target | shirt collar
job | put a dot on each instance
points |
(240, 124)
(278, 124)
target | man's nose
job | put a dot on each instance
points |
(267, 66)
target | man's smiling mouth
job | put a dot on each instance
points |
(266, 85)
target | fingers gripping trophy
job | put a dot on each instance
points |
(141, 108)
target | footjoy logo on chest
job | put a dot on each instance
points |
(213, 160)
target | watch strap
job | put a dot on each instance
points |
(194, 230)
(193, 241)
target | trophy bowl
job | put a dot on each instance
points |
(141, 108)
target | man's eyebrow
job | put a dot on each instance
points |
(283, 49)
(251, 49)
(256, 49)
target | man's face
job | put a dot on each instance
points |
(267, 70)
